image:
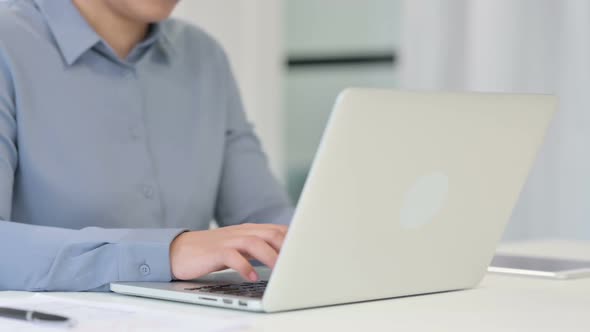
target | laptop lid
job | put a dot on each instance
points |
(409, 194)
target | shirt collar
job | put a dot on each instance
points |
(157, 37)
(74, 36)
(72, 33)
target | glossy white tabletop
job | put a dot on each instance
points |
(500, 303)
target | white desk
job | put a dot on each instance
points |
(500, 303)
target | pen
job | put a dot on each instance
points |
(34, 316)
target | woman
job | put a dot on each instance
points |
(120, 130)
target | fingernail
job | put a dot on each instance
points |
(253, 276)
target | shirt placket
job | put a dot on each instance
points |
(148, 187)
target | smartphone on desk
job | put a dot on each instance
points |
(543, 267)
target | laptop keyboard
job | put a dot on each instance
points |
(246, 289)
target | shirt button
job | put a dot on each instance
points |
(145, 269)
(135, 132)
(148, 191)
(128, 73)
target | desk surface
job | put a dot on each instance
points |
(500, 303)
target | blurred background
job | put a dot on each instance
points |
(292, 58)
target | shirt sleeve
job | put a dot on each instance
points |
(38, 258)
(248, 191)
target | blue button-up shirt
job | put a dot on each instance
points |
(104, 161)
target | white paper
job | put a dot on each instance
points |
(90, 316)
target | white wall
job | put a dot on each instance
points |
(250, 31)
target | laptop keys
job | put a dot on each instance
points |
(246, 289)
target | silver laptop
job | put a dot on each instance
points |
(408, 194)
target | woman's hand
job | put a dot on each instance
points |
(195, 254)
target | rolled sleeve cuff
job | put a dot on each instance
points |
(145, 255)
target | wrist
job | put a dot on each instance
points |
(175, 248)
